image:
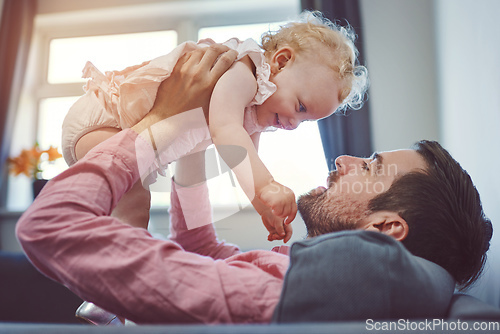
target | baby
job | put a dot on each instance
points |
(306, 70)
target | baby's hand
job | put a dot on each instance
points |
(280, 199)
(276, 227)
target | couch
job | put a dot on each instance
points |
(387, 286)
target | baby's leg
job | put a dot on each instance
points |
(133, 207)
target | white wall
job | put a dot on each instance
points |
(468, 40)
(400, 56)
(435, 73)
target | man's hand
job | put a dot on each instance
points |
(190, 84)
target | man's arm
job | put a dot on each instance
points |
(69, 236)
(189, 202)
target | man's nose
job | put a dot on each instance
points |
(347, 163)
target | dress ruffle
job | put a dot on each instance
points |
(249, 47)
(122, 98)
(130, 93)
(265, 88)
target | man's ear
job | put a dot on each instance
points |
(387, 222)
(282, 57)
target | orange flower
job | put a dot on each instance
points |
(23, 164)
(28, 161)
(35, 152)
(53, 153)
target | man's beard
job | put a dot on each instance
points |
(325, 213)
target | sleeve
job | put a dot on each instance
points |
(68, 235)
(201, 239)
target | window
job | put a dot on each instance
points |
(51, 114)
(66, 59)
(64, 42)
(223, 33)
(109, 52)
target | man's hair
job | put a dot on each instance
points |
(443, 210)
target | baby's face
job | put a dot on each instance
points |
(306, 90)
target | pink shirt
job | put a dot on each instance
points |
(193, 278)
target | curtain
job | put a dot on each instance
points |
(344, 134)
(16, 27)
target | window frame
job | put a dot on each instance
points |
(185, 17)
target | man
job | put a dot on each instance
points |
(69, 236)
(421, 197)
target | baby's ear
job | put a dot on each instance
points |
(282, 57)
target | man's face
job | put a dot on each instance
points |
(343, 205)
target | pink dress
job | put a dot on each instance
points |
(120, 99)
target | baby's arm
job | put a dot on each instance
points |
(233, 92)
(275, 225)
(190, 211)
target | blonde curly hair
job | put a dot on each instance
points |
(305, 34)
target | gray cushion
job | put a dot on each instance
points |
(359, 275)
(465, 307)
